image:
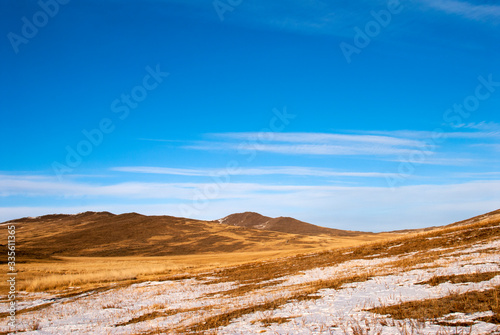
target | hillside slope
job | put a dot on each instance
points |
(490, 216)
(443, 281)
(282, 224)
(105, 234)
(487, 217)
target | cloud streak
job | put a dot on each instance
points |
(475, 12)
(479, 131)
(259, 171)
(311, 144)
(306, 17)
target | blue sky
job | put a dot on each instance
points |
(374, 115)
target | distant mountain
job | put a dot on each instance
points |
(282, 224)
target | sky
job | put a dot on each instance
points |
(368, 115)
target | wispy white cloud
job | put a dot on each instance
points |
(453, 148)
(259, 171)
(376, 144)
(50, 186)
(164, 170)
(158, 140)
(311, 144)
(473, 135)
(311, 149)
(482, 126)
(319, 138)
(336, 18)
(479, 175)
(479, 131)
(298, 16)
(477, 12)
(44, 186)
(307, 17)
(450, 161)
(488, 146)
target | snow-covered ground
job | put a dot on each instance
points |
(169, 305)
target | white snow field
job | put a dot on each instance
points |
(333, 298)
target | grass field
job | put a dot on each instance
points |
(440, 281)
(63, 273)
(80, 252)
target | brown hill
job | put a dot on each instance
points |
(491, 216)
(483, 218)
(282, 224)
(106, 234)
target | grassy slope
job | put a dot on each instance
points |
(253, 268)
(88, 249)
(107, 235)
(283, 224)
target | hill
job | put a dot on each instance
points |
(442, 281)
(103, 234)
(282, 224)
(487, 217)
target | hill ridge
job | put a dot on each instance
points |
(283, 224)
(104, 234)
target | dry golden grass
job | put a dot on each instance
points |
(267, 321)
(223, 319)
(297, 293)
(178, 246)
(464, 278)
(107, 235)
(71, 272)
(425, 246)
(88, 272)
(156, 314)
(57, 252)
(470, 302)
(260, 261)
(61, 273)
(419, 248)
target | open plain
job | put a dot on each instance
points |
(443, 280)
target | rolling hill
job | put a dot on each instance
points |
(282, 224)
(442, 281)
(490, 216)
(103, 234)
